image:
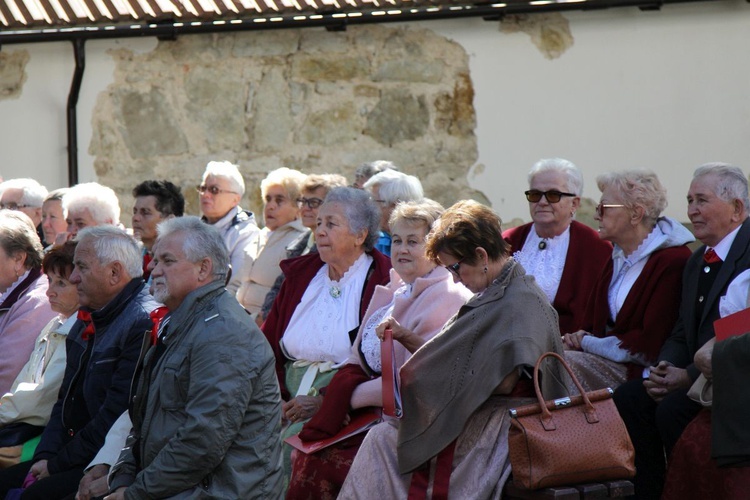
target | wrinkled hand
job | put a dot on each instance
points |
(410, 340)
(573, 341)
(94, 483)
(301, 408)
(39, 470)
(117, 495)
(665, 378)
(703, 357)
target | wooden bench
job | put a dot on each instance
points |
(607, 489)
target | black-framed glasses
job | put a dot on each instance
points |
(214, 190)
(312, 203)
(601, 206)
(553, 195)
(455, 267)
(12, 205)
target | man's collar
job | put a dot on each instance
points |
(722, 248)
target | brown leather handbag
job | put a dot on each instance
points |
(571, 440)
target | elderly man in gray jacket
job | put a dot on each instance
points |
(206, 414)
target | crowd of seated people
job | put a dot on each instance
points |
(194, 346)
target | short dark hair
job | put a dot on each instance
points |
(169, 199)
(59, 259)
(463, 228)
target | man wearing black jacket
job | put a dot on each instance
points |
(103, 348)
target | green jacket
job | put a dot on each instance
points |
(208, 426)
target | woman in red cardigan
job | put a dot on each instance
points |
(565, 256)
(635, 302)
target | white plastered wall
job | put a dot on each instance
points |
(664, 90)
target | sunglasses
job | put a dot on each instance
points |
(214, 190)
(454, 268)
(312, 203)
(553, 195)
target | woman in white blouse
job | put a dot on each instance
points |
(420, 298)
(635, 302)
(317, 313)
(565, 256)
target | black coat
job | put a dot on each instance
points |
(96, 385)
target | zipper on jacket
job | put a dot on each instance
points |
(73, 381)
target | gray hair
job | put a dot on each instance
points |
(56, 195)
(112, 244)
(201, 241)
(228, 171)
(360, 211)
(638, 188)
(33, 192)
(371, 168)
(732, 183)
(18, 235)
(100, 201)
(565, 167)
(396, 186)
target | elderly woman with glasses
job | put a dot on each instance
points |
(458, 387)
(312, 193)
(565, 256)
(417, 302)
(320, 306)
(636, 300)
(260, 268)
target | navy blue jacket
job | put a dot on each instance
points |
(95, 392)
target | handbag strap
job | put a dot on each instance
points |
(388, 375)
(547, 422)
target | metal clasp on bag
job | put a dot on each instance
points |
(562, 402)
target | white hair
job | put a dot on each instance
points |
(228, 171)
(395, 186)
(732, 183)
(33, 192)
(100, 201)
(201, 240)
(565, 167)
(290, 180)
(112, 244)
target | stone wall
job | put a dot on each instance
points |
(305, 99)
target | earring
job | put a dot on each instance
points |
(485, 269)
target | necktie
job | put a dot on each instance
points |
(710, 256)
(85, 316)
(157, 315)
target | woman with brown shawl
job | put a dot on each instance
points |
(458, 386)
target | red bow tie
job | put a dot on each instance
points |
(85, 316)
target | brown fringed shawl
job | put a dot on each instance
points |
(509, 325)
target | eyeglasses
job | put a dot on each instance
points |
(214, 190)
(12, 206)
(601, 206)
(553, 195)
(454, 268)
(312, 203)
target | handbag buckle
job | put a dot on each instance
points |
(562, 402)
